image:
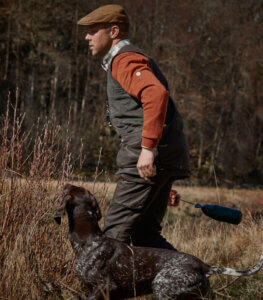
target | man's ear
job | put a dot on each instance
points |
(61, 210)
(115, 31)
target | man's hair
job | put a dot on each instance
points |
(124, 28)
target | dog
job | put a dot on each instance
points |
(108, 265)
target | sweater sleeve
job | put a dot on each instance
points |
(133, 72)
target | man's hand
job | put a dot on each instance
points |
(145, 164)
(174, 198)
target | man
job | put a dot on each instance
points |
(153, 150)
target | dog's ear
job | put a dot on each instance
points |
(61, 210)
(98, 212)
(96, 206)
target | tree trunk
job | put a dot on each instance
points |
(54, 83)
(215, 145)
(201, 150)
(8, 44)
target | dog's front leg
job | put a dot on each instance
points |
(103, 291)
(97, 294)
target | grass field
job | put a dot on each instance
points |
(37, 259)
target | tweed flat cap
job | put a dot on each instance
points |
(111, 13)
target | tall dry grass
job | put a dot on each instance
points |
(218, 243)
(32, 249)
(35, 254)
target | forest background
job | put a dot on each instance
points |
(210, 51)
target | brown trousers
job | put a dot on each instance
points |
(137, 209)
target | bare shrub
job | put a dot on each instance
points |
(30, 186)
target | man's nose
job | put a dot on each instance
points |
(87, 37)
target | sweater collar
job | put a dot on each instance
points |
(107, 59)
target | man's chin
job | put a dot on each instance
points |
(96, 53)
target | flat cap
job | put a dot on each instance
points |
(111, 13)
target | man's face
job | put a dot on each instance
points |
(99, 38)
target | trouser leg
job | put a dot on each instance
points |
(125, 208)
(136, 212)
(147, 232)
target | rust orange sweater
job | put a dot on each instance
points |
(132, 71)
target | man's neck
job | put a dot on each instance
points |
(112, 52)
(116, 41)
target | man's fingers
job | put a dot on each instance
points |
(174, 198)
(145, 164)
(142, 175)
(140, 172)
(146, 172)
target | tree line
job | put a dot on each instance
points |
(210, 51)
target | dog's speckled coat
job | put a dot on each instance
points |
(124, 271)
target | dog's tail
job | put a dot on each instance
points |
(228, 271)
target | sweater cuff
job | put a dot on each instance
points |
(149, 143)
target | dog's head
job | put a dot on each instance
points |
(77, 199)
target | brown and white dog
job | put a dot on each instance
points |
(105, 264)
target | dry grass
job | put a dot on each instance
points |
(35, 254)
(221, 243)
